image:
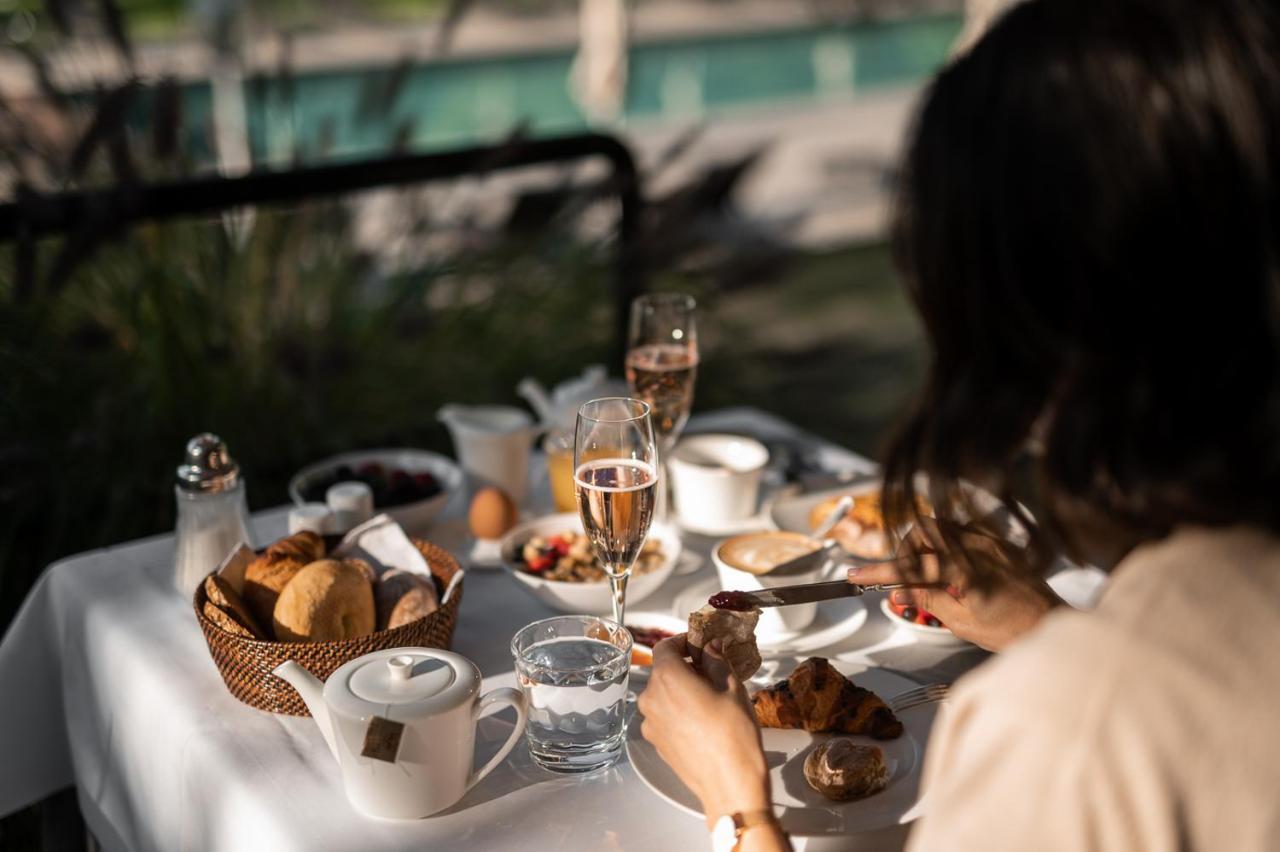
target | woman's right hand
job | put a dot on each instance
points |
(702, 725)
(990, 618)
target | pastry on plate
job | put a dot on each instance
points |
(817, 698)
(862, 531)
(842, 770)
(327, 601)
(736, 630)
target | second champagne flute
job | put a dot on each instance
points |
(615, 463)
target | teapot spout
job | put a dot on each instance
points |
(312, 691)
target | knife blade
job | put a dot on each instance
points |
(804, 593)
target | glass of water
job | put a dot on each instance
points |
(573, 670)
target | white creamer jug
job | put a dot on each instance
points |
(492, 443)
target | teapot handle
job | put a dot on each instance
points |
(505, 695)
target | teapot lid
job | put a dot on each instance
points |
(402, 684)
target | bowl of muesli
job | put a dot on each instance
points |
(551, 558)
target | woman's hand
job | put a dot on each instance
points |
(704, 729)
(991, 618)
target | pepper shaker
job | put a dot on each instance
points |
(213, 514)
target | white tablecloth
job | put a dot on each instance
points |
(107, 684)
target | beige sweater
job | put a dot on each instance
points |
(1150, 724)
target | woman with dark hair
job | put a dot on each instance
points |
(1089, 225)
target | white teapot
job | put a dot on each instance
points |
(401, 724)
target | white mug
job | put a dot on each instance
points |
(775, 621)
(715, 480)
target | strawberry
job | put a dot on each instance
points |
(542, 563)
(559, 544)
(924, 618)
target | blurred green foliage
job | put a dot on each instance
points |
(281, 336)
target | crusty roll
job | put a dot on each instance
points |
(224, 599)
(263, 581)
(304, 546)
(736, 632)
(327, 601)
(403, 596)
(270, 571)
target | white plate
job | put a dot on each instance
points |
(792, 513)
(591, 598)
(754, 523)
(413, 517)
(836, 621)
(803, 811)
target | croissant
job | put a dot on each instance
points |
(817, 698)
(304, 546)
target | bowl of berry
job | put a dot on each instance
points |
(412, 486)
(551, 558)
(922, 625)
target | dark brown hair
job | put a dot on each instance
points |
(1088, 223)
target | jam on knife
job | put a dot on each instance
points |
(736, 601)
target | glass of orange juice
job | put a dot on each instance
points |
(558, 445)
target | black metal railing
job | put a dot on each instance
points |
(103, 212)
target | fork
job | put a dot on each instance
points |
(934, 692)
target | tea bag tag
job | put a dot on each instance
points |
(382, 739)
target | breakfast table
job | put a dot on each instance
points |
(108, 686)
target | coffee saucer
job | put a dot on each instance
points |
(758, 522)
(835, 622)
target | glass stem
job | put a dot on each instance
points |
(618, 585)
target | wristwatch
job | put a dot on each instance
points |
(728, 830)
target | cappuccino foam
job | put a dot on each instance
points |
(760, 553)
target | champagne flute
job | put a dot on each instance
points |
(615, 463)
(662, 360)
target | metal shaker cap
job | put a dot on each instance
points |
(208, 467)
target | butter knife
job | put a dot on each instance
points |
(804, 593)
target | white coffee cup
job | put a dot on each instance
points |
(715, 480)
(760, 552)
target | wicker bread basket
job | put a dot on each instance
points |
(246, 664)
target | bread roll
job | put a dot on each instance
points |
(365, 568)
(263, 582)
(304, 546)
(402, 597)
(274, 568)
(736, 632)
(224, 598)
(327, 601)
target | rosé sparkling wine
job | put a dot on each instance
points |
(663, 375)
(616, 499)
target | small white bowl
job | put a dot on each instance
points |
(413, 517)
(651, 620)
(922, 632)
(586, 598)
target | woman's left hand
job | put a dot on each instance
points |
(702, 726)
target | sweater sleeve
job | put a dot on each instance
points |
(1034, 756)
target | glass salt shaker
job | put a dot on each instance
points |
(213, 515)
